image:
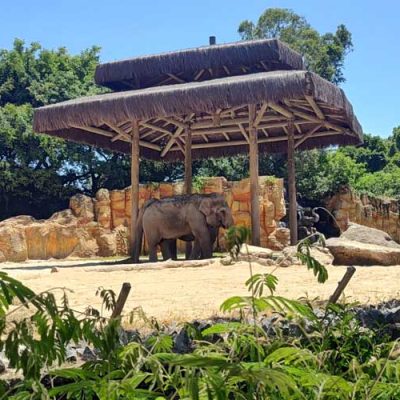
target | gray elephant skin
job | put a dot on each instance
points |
(181, 216)
(169, 247)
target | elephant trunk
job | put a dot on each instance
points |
(315, 215)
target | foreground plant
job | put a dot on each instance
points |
(306, 354)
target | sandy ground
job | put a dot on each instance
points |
(189, 293)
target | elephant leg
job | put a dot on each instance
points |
(165, 250)
(168, 249)
(203, 242)
(188, 251)
(173, 249)
(196, 251)
(152, 251)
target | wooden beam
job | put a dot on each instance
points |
(281, 110)
(176, 78)
(260, 114)
(244, 133)
(134, 187)
(203, 136)
(198, 75)
(307, 135)
(188, 160)
(226, 69)
(254, 185)
(171, 141)
(160, 137)
(92, 129)
(216, 118)
(226, 136)
(315, 107)
(156, 128)
(262, 140)
(175, 122)
(291, 171)
(126, 137)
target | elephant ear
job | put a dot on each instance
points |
(206, 206)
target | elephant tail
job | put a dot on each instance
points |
(138, 235)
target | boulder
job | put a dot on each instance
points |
(352, 252)
(361, 245)
(82, 208)
(102, 208)
(13, 242)
(364, 234)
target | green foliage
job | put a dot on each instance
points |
(324, 54)
(235, 237)
(331, 356)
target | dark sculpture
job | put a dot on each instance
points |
(307, 217)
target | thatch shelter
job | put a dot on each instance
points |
(198, 64)
(274, 111)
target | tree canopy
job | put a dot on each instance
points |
(324, 54)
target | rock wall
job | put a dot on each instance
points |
(100, 226)
(379, 213)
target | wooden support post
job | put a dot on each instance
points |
(123, 295)
(342, 285)
(188, 176)
(254, 186)
(188, 160)
(292, 184)
(134, 185)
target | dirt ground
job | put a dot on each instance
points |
(178, 294)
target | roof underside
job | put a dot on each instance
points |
(217, 112)
(199, 64)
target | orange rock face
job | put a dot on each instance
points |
(100, 226)
(374, 212)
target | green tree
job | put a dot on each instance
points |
(324, 54)
(39, 173)
(373, 153)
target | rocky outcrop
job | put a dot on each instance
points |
(360, 245)
(100, 226)
(374, 212)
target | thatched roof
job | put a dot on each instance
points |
(218, 115)
(198, 64)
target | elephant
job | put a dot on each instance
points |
(169, 249)
(181, 216)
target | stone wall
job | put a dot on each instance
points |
(100, 226)
(379, 213)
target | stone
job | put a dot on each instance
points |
(118, 207)
(241, 190)
(87, 354)
(71, 353)
(82, 208)
(256, 251)
(107, 242)
(13, 241)
(102, 208)
(2, 367)
(49, 239)
(364, 234)
(351, 252)
(182, 342)
(166, 190)
(214, 185)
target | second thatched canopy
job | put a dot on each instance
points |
(217, 112)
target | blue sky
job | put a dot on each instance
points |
(128, 28)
